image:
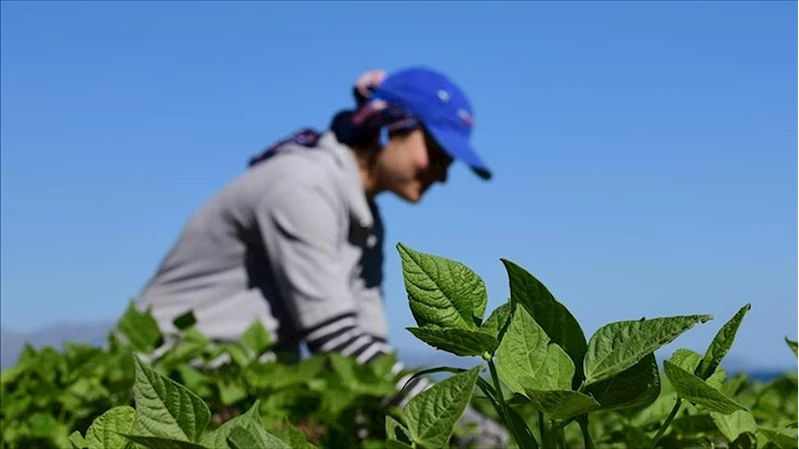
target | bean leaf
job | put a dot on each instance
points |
(618, 346)
(721, 344)
(165, 408)
(637, 386)
(460, 342)
(562, 404)
(693, 389)
(442, 292)
(528, 360)
(433, 413)
(556, 320)
(104, 431)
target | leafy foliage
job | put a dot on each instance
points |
(545, 382)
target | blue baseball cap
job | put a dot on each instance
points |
(441, 106)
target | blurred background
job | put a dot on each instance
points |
(645, 153)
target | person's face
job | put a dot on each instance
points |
(409, 164)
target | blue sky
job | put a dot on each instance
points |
(645, 153)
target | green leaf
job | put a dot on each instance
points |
(497, 321)
(397, 434)
(433, 413)
(721, 344)
(293, 437)
(236, 353)
(746, 440)
(690, 361)
(359, 378)
(791, 344)
(230, 392)
(562, 404)
(556, 320)
(460, 342)
(734, 424)
(782, 438)
(527, 360)
(617, 346)
(185, 321)
(139, 329)
(217, 439)
(519, 429)
(166, 408)
(442, 292)
(77, 440)
(42, 424)
(256, 338)
(247, 437)
(637, 386)
(693, 389)
(152, 442)
(104, 431)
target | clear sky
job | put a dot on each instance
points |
(645, 153)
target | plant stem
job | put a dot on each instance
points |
(542, 426)
(583, 421)
(666, 423)
(501, 399)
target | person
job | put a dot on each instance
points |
(296, 241)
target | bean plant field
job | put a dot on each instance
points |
(539, 375)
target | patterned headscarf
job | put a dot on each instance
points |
(358, 128)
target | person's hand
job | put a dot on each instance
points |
(366, 84)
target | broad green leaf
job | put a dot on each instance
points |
(497, 320)
(185, 321)
(460, 342)
(721, 344)
(734, 424)
(360, 378)
(152, 442)
(77, 440)
(690, 361)
(433, 413)
(230, 392)
(292, 436)
(746, 440)
(782, 438)
(217, 439)
(562, 404)
(637, 386)
(254, 436)
(104, 433)
(256, 338)
(556, 320)
(167, 409)
(194, 380)
(692, 424)
(237, 354)
(396, 434)
(791, 344)
(42, 424)
(139, 329)
(695, 390)
(442, 292)
(527, 360)
(617, 346)
(519, 429)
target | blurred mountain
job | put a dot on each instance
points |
(12, 342)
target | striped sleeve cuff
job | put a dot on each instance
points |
(342, 334)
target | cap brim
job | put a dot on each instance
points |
(458, 146)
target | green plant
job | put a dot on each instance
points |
(169, 415)
(538, 357)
